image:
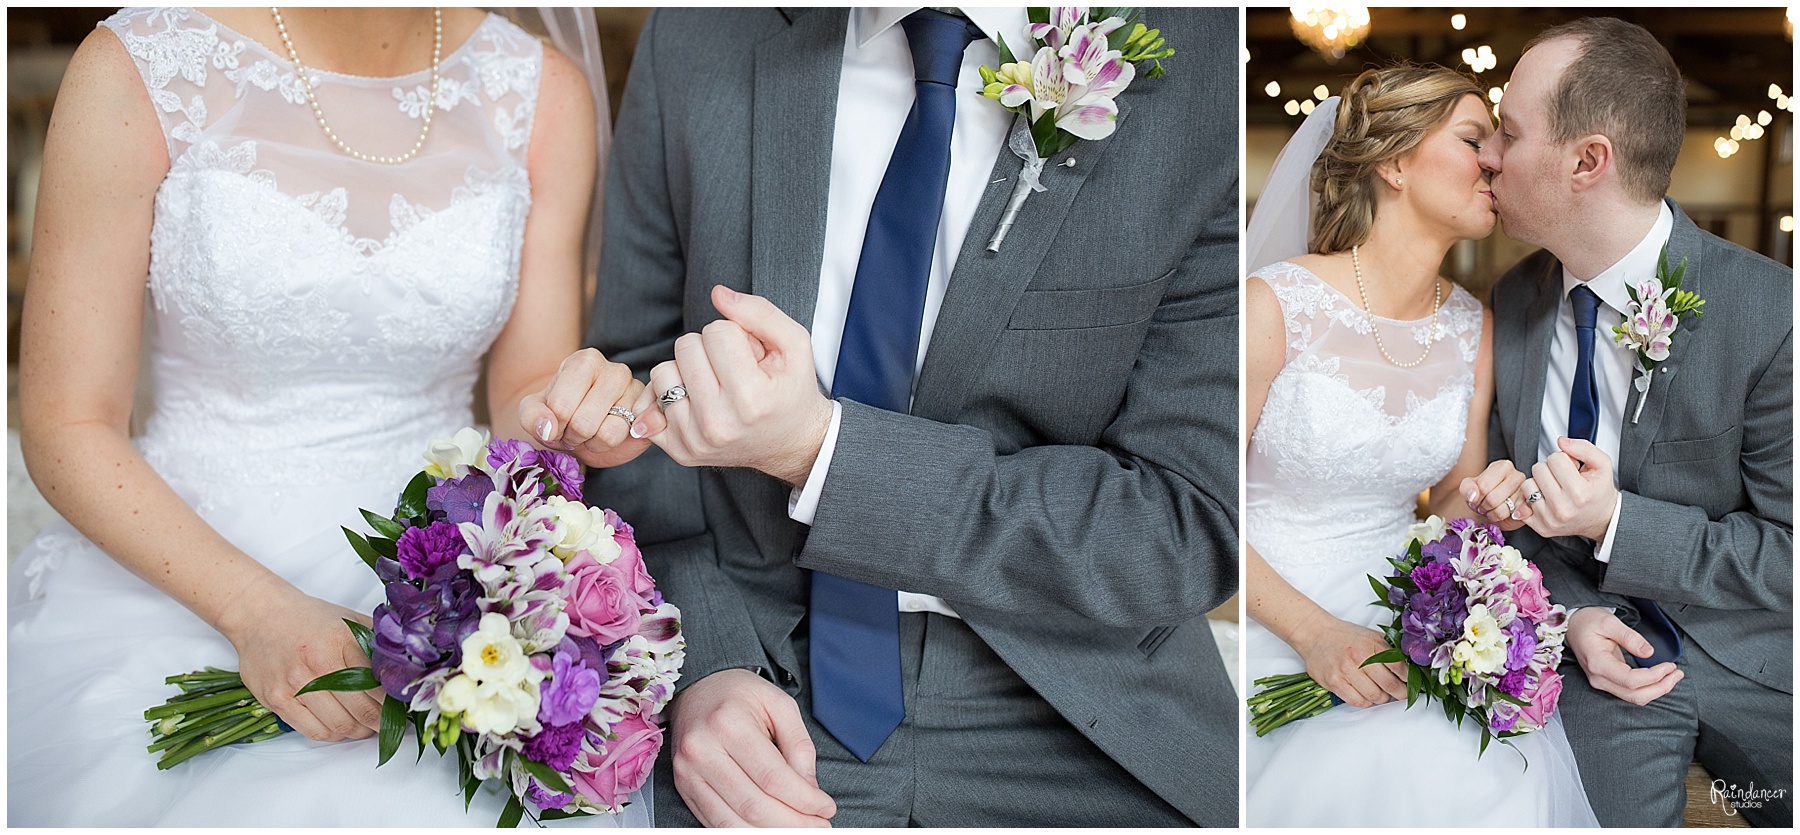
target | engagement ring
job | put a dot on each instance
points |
(1511, 506)
(675, 394)
(629, 415)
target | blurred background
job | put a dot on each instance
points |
(1735, 176)
(39, 42)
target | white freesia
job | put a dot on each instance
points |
(453, 456)
(1483, 648)
(1511, 561)
(582, 528)
(492, 654)
(490, 707)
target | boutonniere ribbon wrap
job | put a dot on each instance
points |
(1651, 319)
(1081, 61)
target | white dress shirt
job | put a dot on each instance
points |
(1614, 365)
(875, 93)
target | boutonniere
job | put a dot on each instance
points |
(1651, 318)
(1081, 60)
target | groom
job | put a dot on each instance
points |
(970, 589)
(1668, 522)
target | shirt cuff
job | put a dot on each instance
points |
(803, 502)
(1603, 548)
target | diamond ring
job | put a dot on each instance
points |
(629, 415)
(1511, 506)
(675, 394)
(1535, 497)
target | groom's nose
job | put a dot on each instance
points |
(1489, 158)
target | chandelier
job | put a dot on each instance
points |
(1330, 30)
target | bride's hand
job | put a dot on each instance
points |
(1334, 651)
(285, 639)
(1487, 495)
(574, 414)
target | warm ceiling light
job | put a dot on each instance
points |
(1306, 107)
(1763, 117)
(1321, 92)
(1330, 30)
(1274, 89)
(1787, 223)
(1494, 94)
(1292, 107)
(1458, 21)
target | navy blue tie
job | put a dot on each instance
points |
(1584, 421)
(855, 627)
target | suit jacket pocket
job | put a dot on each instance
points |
(1106, 307)
(1724, 443)
(1155, 639)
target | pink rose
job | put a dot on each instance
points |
(631, 560)
(601, 605)
(1529, 594)
(1543, 699)
(609, 778)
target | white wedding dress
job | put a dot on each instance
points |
(317, 320)
(1345, 443)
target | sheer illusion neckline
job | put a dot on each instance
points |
(281, 58)
(1357, 305)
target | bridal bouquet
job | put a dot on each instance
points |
(1473, 626)
(521, 629)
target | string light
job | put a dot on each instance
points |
(1330, 30)
(1458, 21)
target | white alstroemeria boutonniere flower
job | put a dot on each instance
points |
(1651, 318)
(1084, 58)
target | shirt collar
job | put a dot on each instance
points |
(1637, 265)
(1009, 22)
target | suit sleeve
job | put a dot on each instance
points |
(1744, 560)
(1139, 529)
(637, 316)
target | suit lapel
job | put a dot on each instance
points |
(985, 286)
(793, 118)
(1540, 324)
(1635, 438)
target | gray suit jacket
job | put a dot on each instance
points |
(1707, 472)
(1067, 476)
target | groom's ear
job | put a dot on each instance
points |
(1593, 160)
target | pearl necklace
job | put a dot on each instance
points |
(1437, 301)
(437, 48)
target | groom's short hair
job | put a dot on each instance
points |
(1624, 85)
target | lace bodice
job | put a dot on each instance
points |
(317, 314)
(1346, 439)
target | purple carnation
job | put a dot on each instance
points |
(422, 550)
(567, 471)
(571, 690)
(502, 453)
(556, 745)
(1428, 621)
(1522, 646)
(1432, 576)
(1513, 683)
(459, 500)
(418, 631)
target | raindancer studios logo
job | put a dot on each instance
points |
(1733, 797)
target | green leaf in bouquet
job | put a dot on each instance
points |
(465, 774)
(418, 723)
(384, 547)
(560, 815)
(1387, 657)
(383, 525)
(545, 775)
(1400, 566)
(365, 637)
(1496, 693)
(1415, 684)
(1486, 737)
(1043, 135)
(510, 816)
(412, 499)
(393, 728)
(362, 547)
(349, 679)
(1037, 14)
(1403, 583)
(1380, 590)
(1006, 54)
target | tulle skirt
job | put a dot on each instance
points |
(89, 645)
(1389, 765)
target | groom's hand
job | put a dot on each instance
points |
(1597, 637)
(742, 755)
(752, 397)
(1579, 496)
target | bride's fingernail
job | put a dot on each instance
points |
(543, 430)
(639, 430)
(1471, 499)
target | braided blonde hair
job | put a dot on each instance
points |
(1382, 115)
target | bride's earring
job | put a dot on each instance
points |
(1399, 181)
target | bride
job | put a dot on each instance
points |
(336, 214)
(1369, 381)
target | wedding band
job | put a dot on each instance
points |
(675, 394)
(1535, 497)
(1511, 506)
(629, 415)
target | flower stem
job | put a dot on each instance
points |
(210, 700)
